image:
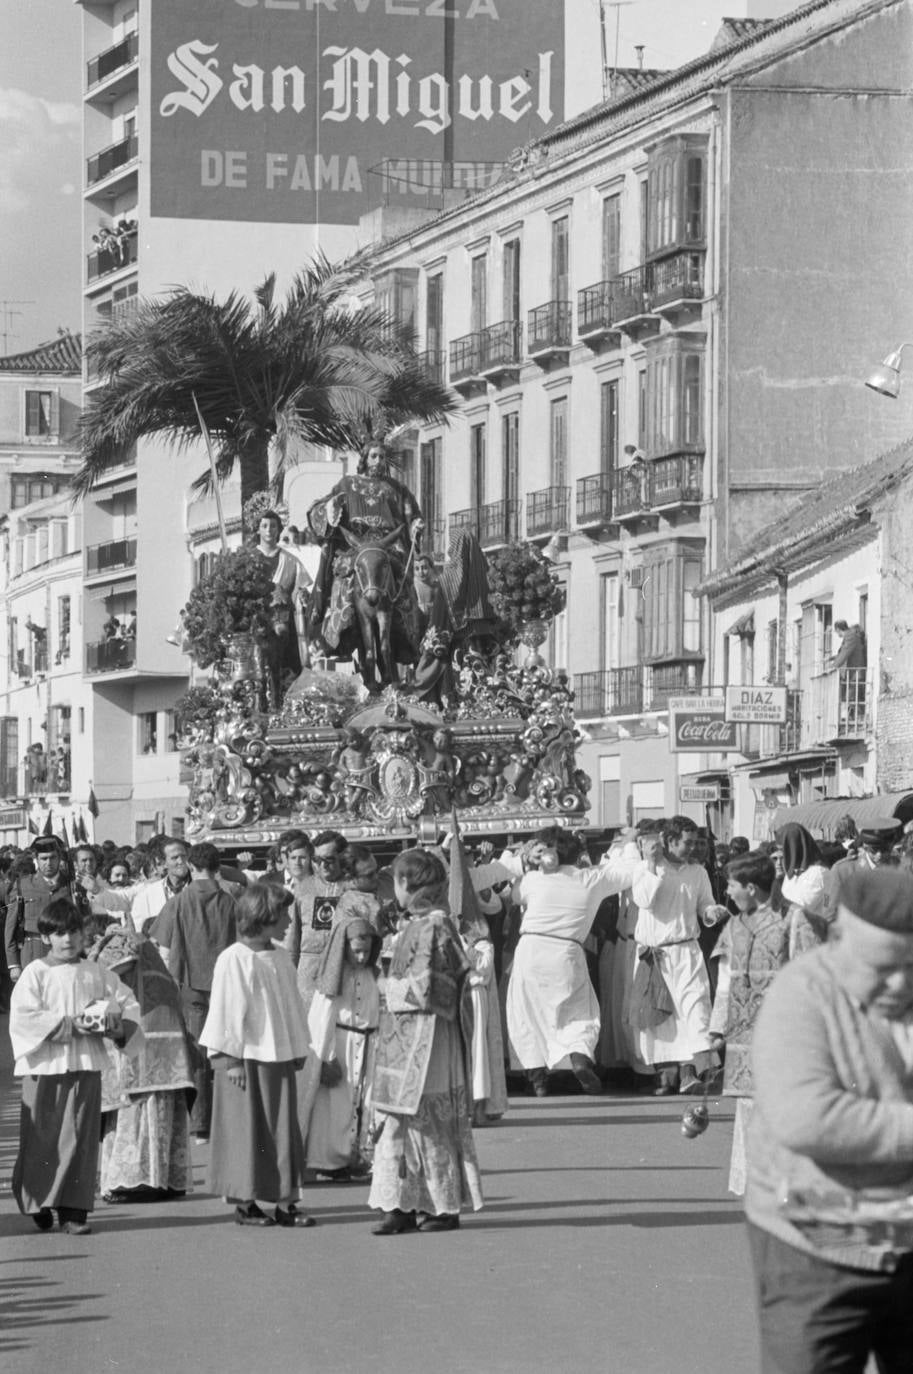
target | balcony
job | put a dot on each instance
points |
(434, 364)
(677, 481)
(501, 351)
(465, 520)
(594, 500)
(596, 314)
(775, 740)
(549, 332)
(612, 692)
(110, 655)
(435, 538)
(671, 680)
(631, 493)
(632, 310)
(118, 553)
(839, 707)
(465, 362)
(499, 523)
(103, 164)
(677, 286)
(123, 251)
(547, 511)
(102, 69)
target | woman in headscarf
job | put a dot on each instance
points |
(335, 1105)
(145, 1153)
(425, 1166)
(806, 884)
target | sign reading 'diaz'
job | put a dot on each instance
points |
(698, 725)
(299, 111)
(756, 705)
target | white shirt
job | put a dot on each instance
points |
(669, 902)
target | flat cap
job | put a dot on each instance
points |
(881, 897)
(46, 844)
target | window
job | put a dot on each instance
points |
(431, 493)
(674, 418)
(611, 237)
(171, 737)
(675, 195)
(641, 407)
(34, 487)
(63, 628)
(610, 621)
(609, 429)
(478, 305)
(9, 756)
(42, 414)
(434, 314)
(772, 645)
(147, 739)
(477, 466)
(561, 280)
(672, 626)
(862, 610)
(510, 455)
(559, 442)
(394, 295)
(511, 279)
(82, 720)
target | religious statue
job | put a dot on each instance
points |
(363, 602)
(288, 647)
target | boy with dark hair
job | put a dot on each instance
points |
(316, 896)
(61, 1008)
(754, 946)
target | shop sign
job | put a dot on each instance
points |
(756, 705)
(692, 792)
(698, 725)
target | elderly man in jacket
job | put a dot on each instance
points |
(830, 1157)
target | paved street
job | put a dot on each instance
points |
(607, 1244)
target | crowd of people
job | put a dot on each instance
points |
(330, 1018)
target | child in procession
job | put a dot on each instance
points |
(755, 944)
(62, 1008)
(256, 1036)
(336, 1116)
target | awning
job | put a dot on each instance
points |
(869, 813)
(107, 590)
(769, 782)
(744, 626)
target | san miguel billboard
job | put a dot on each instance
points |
(299, 111)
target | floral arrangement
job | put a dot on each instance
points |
(196, 711)
(233, 600)
(255, 506)
(524, 587)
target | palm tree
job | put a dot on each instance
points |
(262, 373)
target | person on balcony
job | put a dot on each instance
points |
(852, 652)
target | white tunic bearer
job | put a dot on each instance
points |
(552, 1008)
(670, 901)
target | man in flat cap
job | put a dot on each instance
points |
(830, 1162)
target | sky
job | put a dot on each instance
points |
(41, 258)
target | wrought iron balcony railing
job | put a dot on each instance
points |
(594, 499)
(610, 692)
(499, 523)
(501, 345)
(547, 511)
(549, 328)
(465, 358)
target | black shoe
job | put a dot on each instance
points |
(290, 1216)
(249, 1214)
(43, 1219)
(394, 1223)
(538, 1079)
(73, 1221)
(449, 1221)
(584, 1071)
(668, 1083)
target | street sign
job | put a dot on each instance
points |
(691, 792)
(698, 725)
(756, 705)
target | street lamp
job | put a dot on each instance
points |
(885, 379)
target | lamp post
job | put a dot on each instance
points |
(885, 379)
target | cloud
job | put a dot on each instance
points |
(39, 147)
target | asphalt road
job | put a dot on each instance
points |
(607, 1243)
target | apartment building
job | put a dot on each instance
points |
(656, 322)
(45, 731)
(845, 745)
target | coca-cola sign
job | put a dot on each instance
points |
(698, 725)
(306, 111)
